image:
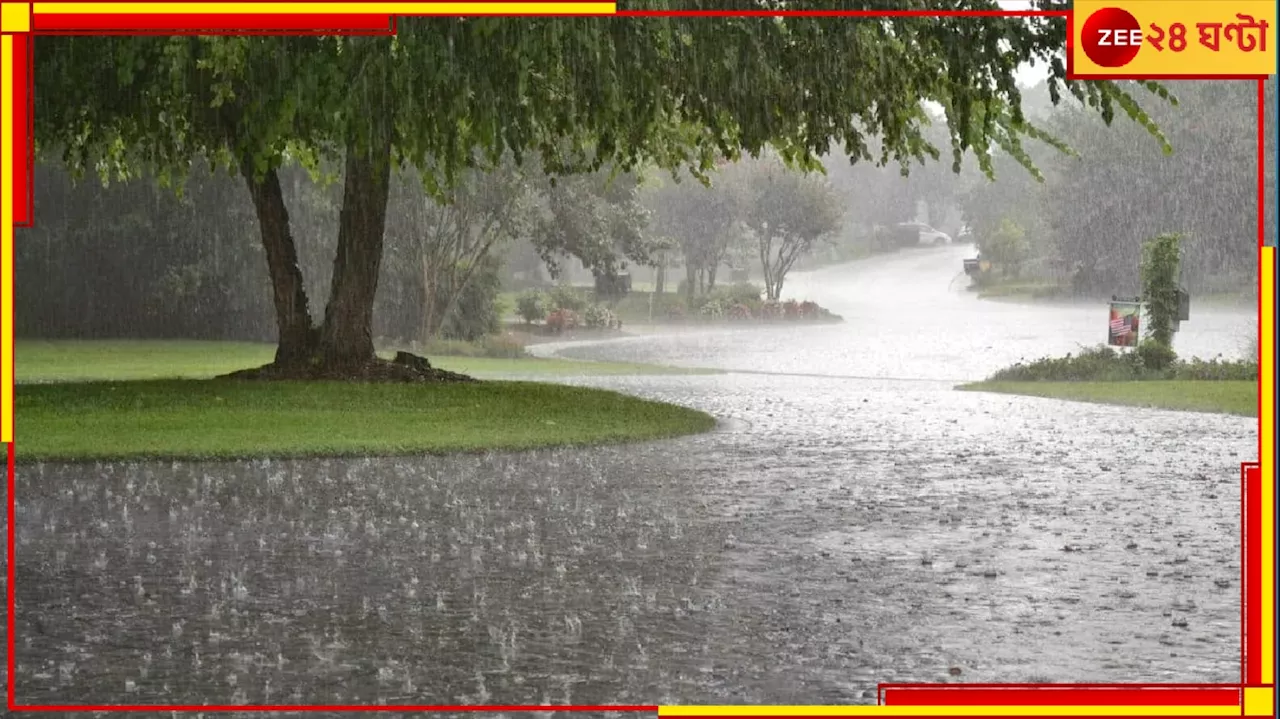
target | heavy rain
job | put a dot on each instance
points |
(894, 429)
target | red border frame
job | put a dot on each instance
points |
(1206, 695)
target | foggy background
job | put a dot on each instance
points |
(134, 259)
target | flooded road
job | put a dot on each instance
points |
(908, 315)
(870, 525)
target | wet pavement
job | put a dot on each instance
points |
(872, 525)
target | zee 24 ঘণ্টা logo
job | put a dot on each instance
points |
(1111, 37)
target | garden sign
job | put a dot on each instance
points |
(1123, 330)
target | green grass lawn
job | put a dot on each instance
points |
(199, 419)
(82, 361)
(79, 401)
(1224, 397)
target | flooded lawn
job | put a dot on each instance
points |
(836, 532)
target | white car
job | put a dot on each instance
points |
(928, 236)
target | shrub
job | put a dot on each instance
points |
(531, 306)
(560, 320)
(1096, 363)
(1007, 247)
(742, 293)
(810, 310)
(567, 298)
(791, 310)
(1216, 369)
(739, 312)
(473, 313)
(600, 317)
(712, 310)
(771, 310)
(1155, 355)
(676, 312)
(1104, 364)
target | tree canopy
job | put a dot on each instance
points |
(449, 94)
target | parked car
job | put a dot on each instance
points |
(927, 236)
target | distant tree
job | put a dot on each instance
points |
(787, 213)
(1100, 207)
(595, 217)
(702, 220)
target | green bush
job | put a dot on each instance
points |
(1216, 369)
(599, 317)
(742, 293)
(1156, 356)
(1007, 247)
(712, 309)
(531, 306)
(474, 313)
(565, 297)
(1104, 364)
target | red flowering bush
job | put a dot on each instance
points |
(739, 312)
(561, 320)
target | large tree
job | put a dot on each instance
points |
(581, 93)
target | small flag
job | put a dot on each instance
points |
(1122, 325)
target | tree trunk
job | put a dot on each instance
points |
(429, 326)
(711, 277)
(293, 317)
(346, 339)
(691, 279)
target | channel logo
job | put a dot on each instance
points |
(1226, 38)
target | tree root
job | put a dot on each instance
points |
(405, 367)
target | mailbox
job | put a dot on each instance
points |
(971, 267)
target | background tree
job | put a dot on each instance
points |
(595, 217)
(702, 220)
(451, 242)
(1089, 218)
(787, 213)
